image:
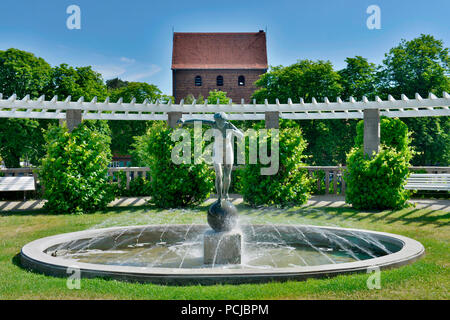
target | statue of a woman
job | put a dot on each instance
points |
(222, 165)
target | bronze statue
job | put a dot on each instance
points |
(222, 215)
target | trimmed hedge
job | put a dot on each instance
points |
(290, 185)
(74, 170)
(377, 182)
(171, 185)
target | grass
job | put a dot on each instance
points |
(428, 278)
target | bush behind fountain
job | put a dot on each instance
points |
(290, 185)
(377, 182)
(172, 185)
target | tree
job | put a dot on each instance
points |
(217, 95)
(76, 82)
(421, 65)
(328, 140)
(79, 82)
(305, 79)
(116, 83)
(190, 99)
(18, 139)
(358, 78)
(431, 140)
(124, 131)
(22, 73)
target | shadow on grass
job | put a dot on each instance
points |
(422, 216)
(16, 261)
(42, 212)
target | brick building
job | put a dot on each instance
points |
(229, 62)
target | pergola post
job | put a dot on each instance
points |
(272, 119)
(73, 119)
(173, 117)
(371, 131)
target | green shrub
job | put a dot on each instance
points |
(171, 185)
(377, 182)
(74, 170)
(236, 180)
(290, 185)
(393, 133)
(138, 187)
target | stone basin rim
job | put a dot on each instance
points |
(33, 256)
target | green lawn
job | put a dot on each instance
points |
(428, 278)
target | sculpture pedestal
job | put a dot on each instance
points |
(222, 247)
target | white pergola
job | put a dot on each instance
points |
(12, 107)
(74, 111)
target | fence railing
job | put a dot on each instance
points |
(328, 179)
(130, 173)
(17, 172)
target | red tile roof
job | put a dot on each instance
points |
(219, 50)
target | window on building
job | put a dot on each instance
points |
(219, 81)
(198, 81)
(241, 81)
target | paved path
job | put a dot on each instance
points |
(315, 201)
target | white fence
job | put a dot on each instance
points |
(328, 179)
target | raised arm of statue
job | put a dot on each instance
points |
(236, 131)
(191, 121)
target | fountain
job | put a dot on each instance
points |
(222, 245)
(224, 252)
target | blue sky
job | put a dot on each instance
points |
(133, 39)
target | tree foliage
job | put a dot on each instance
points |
(358, 79)
(328, 140)
(217, 95)
(116, 83)
(22, 73)
(421, 65)
(305, 79)
(76, 82)
(19, 139)
(124, 131)
(189, 99)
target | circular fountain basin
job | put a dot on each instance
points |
(173, 254)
